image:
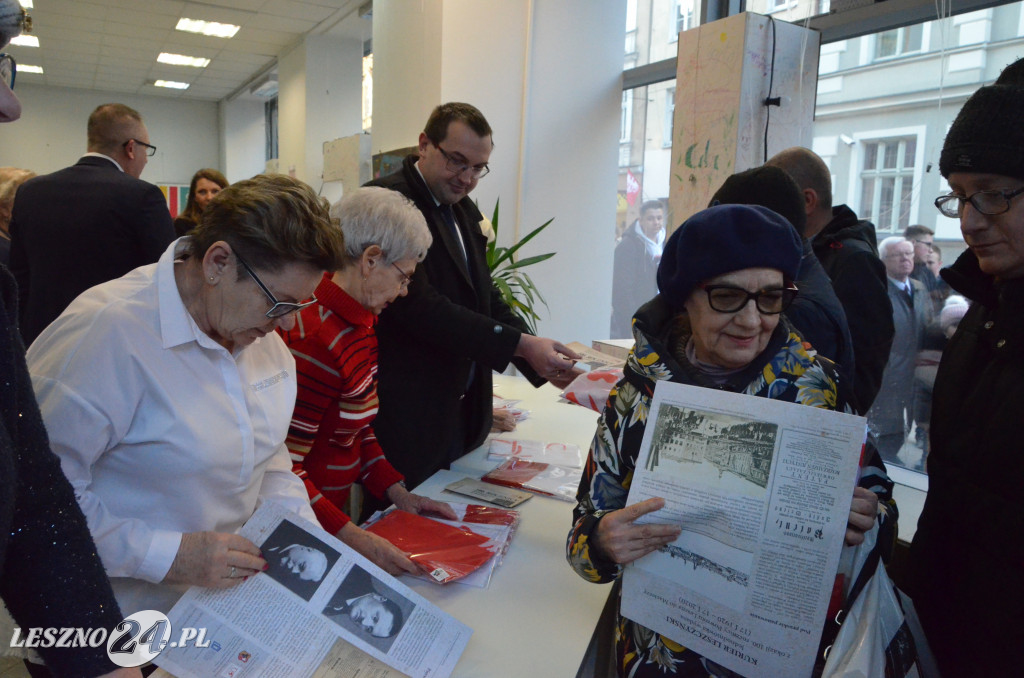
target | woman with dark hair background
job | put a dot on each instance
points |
(206, 183)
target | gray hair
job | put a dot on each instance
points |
(883, 247)
(379, 216)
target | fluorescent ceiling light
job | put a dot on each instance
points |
(26, 68)
(171, 84)
(26, 41)
(182, 60)
(207, 28)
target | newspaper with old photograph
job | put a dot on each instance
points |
(321, 609)
(762, 491)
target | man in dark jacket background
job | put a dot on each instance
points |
(439, 343)
(848, 250)
(88, 223)
(635, 267)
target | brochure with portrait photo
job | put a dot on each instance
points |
(321, 609)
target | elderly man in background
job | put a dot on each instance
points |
(43, 534)
(966, 572)
(88, 223)
(167, 392)
(892, 413)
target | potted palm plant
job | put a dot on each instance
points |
(515, 285)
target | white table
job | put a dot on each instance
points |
(537, 616)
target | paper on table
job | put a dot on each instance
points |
(559, 454)
(547, 479)
(289, 620)
(494, 494)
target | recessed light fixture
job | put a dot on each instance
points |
(26, 68)
(26, 41)
(171, 84)
(182, 60)
(207, 28)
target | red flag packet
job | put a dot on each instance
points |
(547, 479)
(444, 552)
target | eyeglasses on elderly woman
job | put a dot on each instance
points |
(731, 299)
(278, 309)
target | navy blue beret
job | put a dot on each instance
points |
(722, 239)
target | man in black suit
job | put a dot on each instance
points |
(439, 343)
(88, 223)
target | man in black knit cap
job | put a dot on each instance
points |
(966, 572)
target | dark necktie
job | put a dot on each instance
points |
(449, 218)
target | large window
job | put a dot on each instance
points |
(887, 182)
(898, 42)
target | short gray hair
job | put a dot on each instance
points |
(883, 247)
(379, 216)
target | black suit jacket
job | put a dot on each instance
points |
(452, 318)
(79, 227)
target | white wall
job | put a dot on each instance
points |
(334, 97)
(51, 132)
(291, 112)
(542, 73)
(244, 131)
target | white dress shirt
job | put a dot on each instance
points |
(160, 429)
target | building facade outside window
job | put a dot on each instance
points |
(888, 177)
(884, 105)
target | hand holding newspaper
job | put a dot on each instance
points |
(321, 608)
(762, 490)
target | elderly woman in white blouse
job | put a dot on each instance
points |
(167, 393)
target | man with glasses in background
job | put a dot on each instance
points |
(966, 570)
(88, 223)
(439, 343)
(892, 414)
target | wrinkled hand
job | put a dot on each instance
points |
(548, 358)
(383, 553)
(622, 541)
(415, 503)
(207, 558)
(504, 420)
(862, 515)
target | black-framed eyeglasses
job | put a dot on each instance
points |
(406, 279)
(278, 309)
(150, 148)
(986, 202)
(731, 299)
(8, 70)
(456, 166)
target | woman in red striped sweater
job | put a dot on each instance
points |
(331, 438)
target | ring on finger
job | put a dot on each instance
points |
(232, 575)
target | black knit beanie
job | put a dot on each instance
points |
(722, 239)
(768, 186)
(988, 133)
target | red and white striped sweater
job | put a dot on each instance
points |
(331, 437)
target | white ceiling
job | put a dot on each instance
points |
(112, 45)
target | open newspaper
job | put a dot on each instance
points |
(762, 490)
(321, 609)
